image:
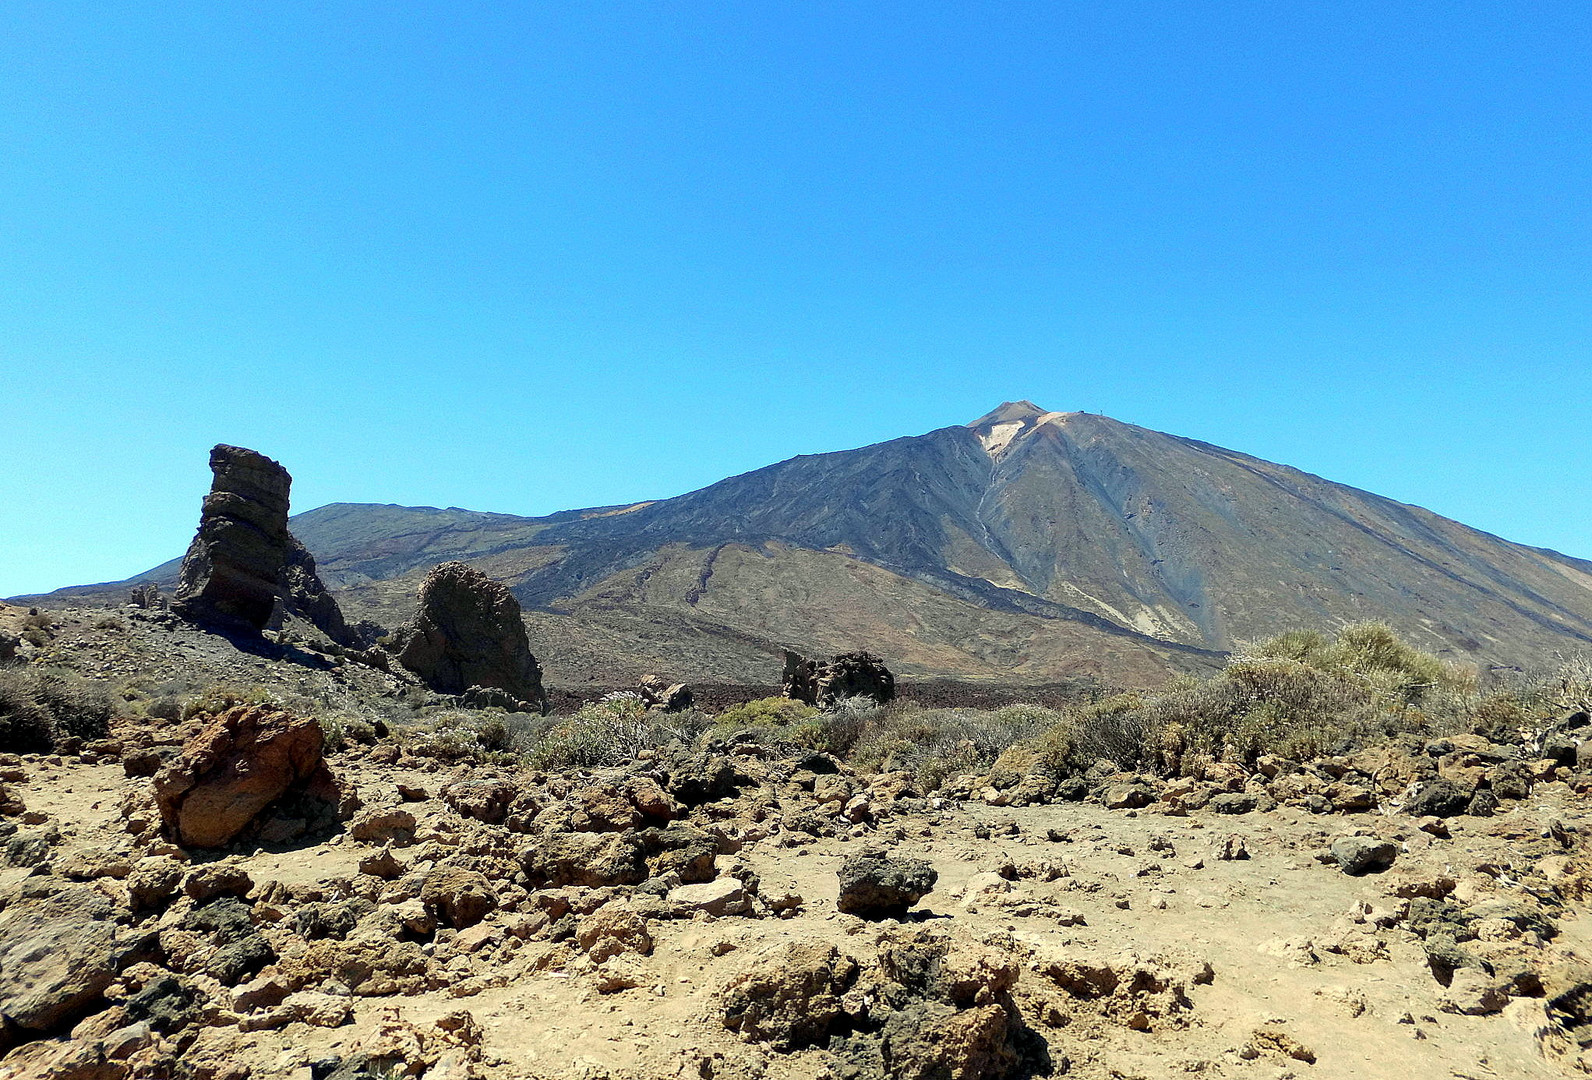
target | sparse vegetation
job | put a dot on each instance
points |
(40, 708)
(217, 699)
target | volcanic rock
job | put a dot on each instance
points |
(468, 632)
(1358, 855)
(57, 956)
(243, 562)
(875, 886)
(846, 675)
(659, 693)
(245, 759)
(792, 1001)
(1440, 798)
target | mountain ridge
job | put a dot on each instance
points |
(1026, 544)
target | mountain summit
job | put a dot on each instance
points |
(1027, 546)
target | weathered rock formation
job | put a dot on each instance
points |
(233, 574)
(146, 595)
(852, 674)
(661, 694)
(244, 562)
(244, 759)
(468, 633)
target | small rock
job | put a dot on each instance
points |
(1358, 855)
(875, 886)
(726, 896)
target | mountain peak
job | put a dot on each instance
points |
(1002, 426)
(1008, 411)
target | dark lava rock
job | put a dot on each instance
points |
(1234, 802)
(243, 562)
(875, 886)
(1439, 798)
(166, 1004)
(1482, 804)
(846, 675)
(1358, 855)
(241, 951)
(468, 632)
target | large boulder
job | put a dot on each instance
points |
(57, 956)
(244, 759)
(846, 675)
(244, 568)
(468, 632)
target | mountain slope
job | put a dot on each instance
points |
(1028, 545)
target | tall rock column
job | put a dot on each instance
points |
(234, 571)
(244, 561)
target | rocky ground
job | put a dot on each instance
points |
(735, 909)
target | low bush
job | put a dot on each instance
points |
(458, 735)
(38, 709)
(217, 699)
(771, 712)
(1299, 695)
(607, 732)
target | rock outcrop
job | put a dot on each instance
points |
(468, 633)
(244, 759)
(661, 694)
(243, 562)
(307, 595)
(846, 675)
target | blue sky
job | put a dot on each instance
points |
(525, 257)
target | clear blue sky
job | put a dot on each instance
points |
(528, 257)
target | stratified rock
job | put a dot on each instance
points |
(661, 694)
(468, 632)
(874, 886)
(233, 574)
(241, 762)
(846, 675)
(243, 561)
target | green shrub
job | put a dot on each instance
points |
(342, 728)
(770, 712)
(1299, 695)
(934, 744)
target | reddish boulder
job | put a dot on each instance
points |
(245, 759)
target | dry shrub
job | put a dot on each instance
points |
(1300, 695)
(607, 732)
(40, 708)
